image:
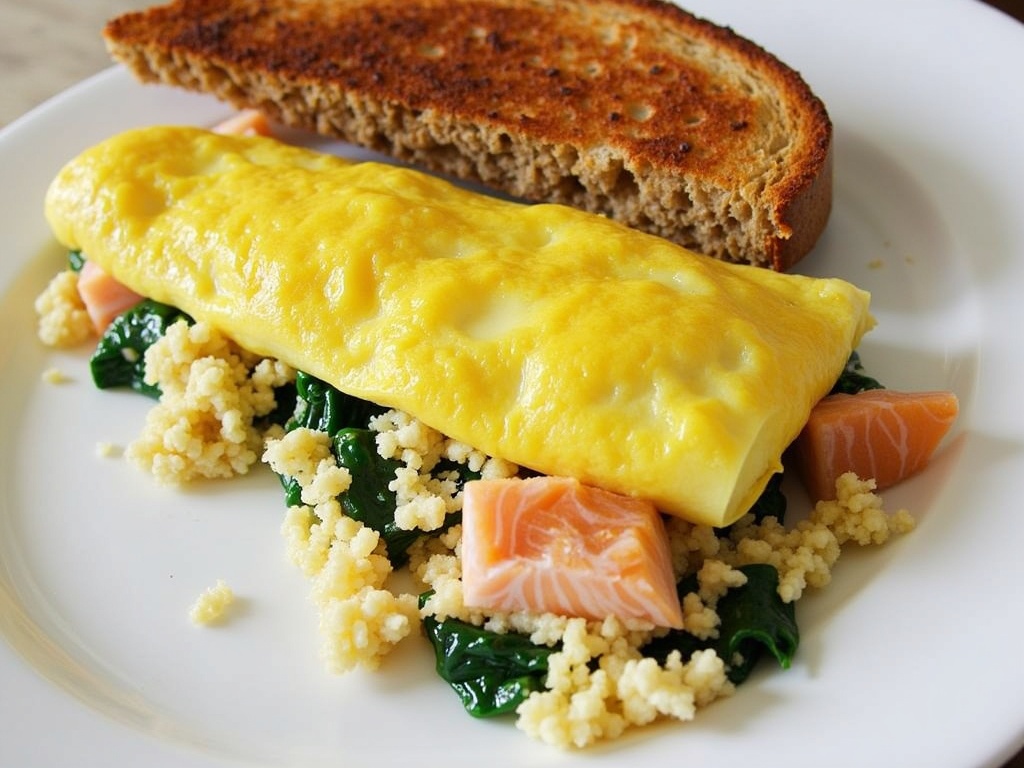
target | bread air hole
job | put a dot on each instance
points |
(570, 188)
(500, 144)
(740, 212)
(430, 50)
(679, 200)
(639, 112)
(625, 185)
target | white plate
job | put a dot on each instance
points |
(909, 658)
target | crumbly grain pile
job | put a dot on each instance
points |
(599, 682)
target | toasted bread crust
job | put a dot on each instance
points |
(631, 108)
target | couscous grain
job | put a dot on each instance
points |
(212, 392)
(63, 319)
(598, 683)
(55, 376)
(107, 450)
(211, 605)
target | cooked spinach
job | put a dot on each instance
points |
(368, 499)
(318, 406)
(76, 260)
(853, 379)
(754, 620)
(771, 502)
(491, 673)
(285, 399)
(463, 475)
(324, 408)
(120, 356)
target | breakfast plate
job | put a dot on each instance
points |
(907, 658)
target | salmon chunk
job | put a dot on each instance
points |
(248, 122)
(552, 544)
(879, 433)
(104, 297)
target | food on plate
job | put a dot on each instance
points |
(212, 397)
(248, 122)
(877, 433)
(554, 545)
(631, 108)
(264, 267)
(211, 606)
(55, 376)
(553, 338)
(63, 319)
(104, 297)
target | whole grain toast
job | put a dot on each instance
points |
(634, 109)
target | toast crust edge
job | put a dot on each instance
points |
(551, 168)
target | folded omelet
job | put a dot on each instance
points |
(553, 338)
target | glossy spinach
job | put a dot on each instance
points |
(491, 673)
(120, 356)
(853, 379)
(369, 499)
(754, 620)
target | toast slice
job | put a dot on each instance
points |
(634, 109)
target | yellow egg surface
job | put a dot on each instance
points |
(549, 337)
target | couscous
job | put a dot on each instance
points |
(573, 681)
(598, 681)
(63, 319)
(211, 605)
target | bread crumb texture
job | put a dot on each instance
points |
(212, 604)
(599, 683)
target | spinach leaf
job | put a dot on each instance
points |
(368, 499)
(321, 407)
(285, 399)
(491, 673)
(853, 379)
(317, 405)
(463, 475)
(76, 260)
(120, 356)
(754, 620)
(771, 502)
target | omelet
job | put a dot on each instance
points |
(556, 339)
